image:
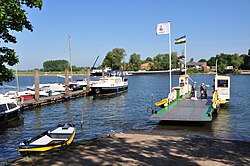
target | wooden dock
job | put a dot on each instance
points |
(186, 110)
(31, 103)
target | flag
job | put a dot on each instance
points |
(182, 39)
(163, 28)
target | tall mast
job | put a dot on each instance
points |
(70, 57)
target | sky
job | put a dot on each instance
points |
(98, 26)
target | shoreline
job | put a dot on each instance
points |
(145, 149)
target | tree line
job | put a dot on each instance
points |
(115, 60)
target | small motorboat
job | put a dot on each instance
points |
(9, 109)
(59, 136)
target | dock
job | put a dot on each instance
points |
(31, 103)
(185, 109)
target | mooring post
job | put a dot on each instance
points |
(67, 82)
(103, 72)
(88, 80)
(36, 84)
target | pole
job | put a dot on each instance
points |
(36, 85)
(70, 58)
(216, 66)
(185, 54)
(17, 81)
(66, 82)
(88, 80)
(170, 70)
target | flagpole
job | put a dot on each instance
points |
(170, 70)
(185, 53)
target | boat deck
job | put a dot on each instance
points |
(186, 110)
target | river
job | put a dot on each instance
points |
(127, 112)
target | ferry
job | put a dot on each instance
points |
(180, 105)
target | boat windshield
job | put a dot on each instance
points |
(11, 105)
(3, 108)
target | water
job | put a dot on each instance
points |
(128, 112)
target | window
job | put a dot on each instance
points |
(222, 83)
(3, 108)
(11, 105)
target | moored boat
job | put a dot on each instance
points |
(59, 136)
(109, 86)
(9, 109)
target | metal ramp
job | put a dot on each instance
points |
(186, 110)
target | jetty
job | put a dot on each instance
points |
(193, 109)
(31, 103)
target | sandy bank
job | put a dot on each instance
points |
(140, 149)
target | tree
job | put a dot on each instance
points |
(236, 61)
(114, 58)
(202, 60)
(55, 65)
(135, 62)
(191, 60)
(246, 62)
(149, 59)
(161, 61)
(211, 61)
(13, 18)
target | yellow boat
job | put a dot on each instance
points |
(161, 103)
(62, 135)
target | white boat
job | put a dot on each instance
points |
(9, 109)
(78, 84)
(54, 87)
(109, 85)
(98, 72)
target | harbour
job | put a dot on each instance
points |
(127, 112)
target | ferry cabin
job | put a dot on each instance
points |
(222, 87)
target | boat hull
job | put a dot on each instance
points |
(10, 116)
(102, 91)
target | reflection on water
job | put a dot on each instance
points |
(127, 112)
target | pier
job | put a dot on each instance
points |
(31, 103)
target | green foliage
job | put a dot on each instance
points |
(114, 58)
(191, 60)
(211, 61)
(246, 63)
(194, 71)
(202, 60)
(161, 61)
(149, 59)
(55, 65)
(13, 18)
(225, 60)
(135, 62)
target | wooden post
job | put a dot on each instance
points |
(88, 80)
(103, 73)
(66, 82)
(36, 84)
